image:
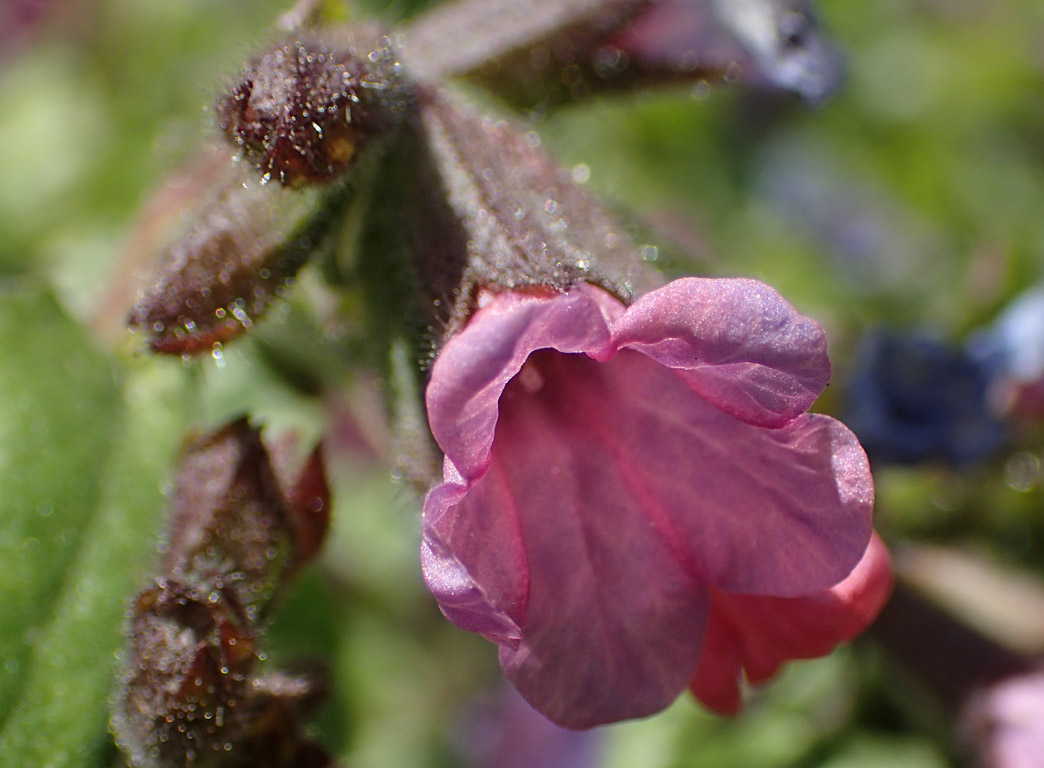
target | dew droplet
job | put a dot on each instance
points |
(1022, 471)
(240, 314)
(217, 352)
(649, 252)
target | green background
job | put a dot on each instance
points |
(938, 135)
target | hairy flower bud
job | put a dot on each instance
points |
(302, 112)
(245, 247)
(189, 694)
(186, 671)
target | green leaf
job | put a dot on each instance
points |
(82, 462)
(59, 402)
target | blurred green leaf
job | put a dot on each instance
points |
(59, 403)
(895, 752)
(82, 461)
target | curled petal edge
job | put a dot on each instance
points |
(736, 342)
(756, 635)
(475, 366)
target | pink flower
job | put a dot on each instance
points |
(619, 479)
(1006, 721)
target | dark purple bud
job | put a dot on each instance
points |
(276, 704)
(238, 530)
(303, 112)
(188, 697)
(186, 669)
(243, 250)
(228, 517)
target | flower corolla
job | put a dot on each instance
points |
(635, 501)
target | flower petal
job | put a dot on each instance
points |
(473, 368)
(1008, 721)
(501, 730)
(739, 344)
(756, 635)
(480, 577)
(765, 511)
(583, 537)
(611, 597)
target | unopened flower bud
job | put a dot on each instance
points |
(302, 112)
(189, 694)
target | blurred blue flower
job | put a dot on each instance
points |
(913, 398)
(1012, 349)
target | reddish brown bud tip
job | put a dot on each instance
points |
(228, 517)
(309, 508)
(212, 286)
(303, 112)
(244, 249)
(184, 674)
